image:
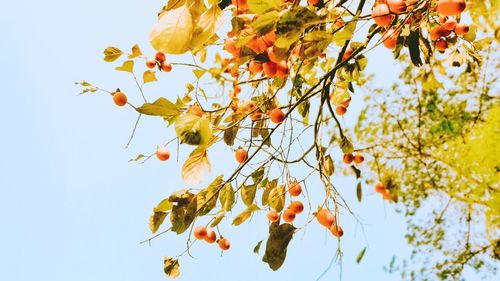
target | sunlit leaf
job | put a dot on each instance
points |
(172, 33)
(262, 6)
(149, 76)
(207, 198)
(196, 166)
(277, 198)
(111, 54)
(227, 197)
(257, 247)
(127, 66)
(265, 23)
(248, 193)
(242, 217)
(193, 130)
(161, 107)
(210, 21)
(136, 52)
(291, 25)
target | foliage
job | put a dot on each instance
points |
(292, 69)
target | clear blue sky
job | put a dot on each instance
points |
(71, 205)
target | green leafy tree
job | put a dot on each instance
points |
(284, 73)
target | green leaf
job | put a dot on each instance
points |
(196, 166)
(276, 246)
(164, 205)
(258, 175)
(242, 217)
(161, 107)
(227, 197)
(149, 76)
(361, 255)
(248, 193)
(257, 247)
(346, 146)
(137, 158)
(193, 130)
(359, 191)
(111, 54)
(357, 171)
(292, 24)
(207, 198)
(261, 6)
(277, 198)
(265, 23)
(171, 267)
(136, 52)
(345, 34)
(183, 212)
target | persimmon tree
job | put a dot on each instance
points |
(285, 73)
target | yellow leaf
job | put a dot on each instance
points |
(112, 54)
(171, 267)
(209, 22)
(196, 166)
(127, 66)
(136, 52)
(172, 33)
(149, 76)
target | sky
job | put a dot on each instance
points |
(74, 208)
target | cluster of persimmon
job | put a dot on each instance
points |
(357, 158)
(119, 98)
(383, 190)
(208, 235)
(159, 61)
(327, 219)
(293, 209)
(442, 32)
(260, 48)
(384, 13)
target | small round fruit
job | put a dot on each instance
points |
(451, 7)
(441, 45)
(347, 54)
(224, 244)
(397, 6)
(166, 67)
(272, 55)
(296, 206)
(150, 63)
(119, 98)
(162, 153)
(450, 24)
(390, 39)
(346, 102)
(270, 68)
(313, 2)
(256, 116)
(387, 195)
(210, 237)
(341, 110)
(288, 215)
(200, 232)
(359, 158)
(277, 116)
(295, 189)
(282, 69)
(196, 110)
(461, 29)
(348, 158)
(160, 57)
(237, 89)
(255, 67)
(336, 230)
(273, 216)
(325, 217)
(241, 155)
(382, 15)
(380, 187)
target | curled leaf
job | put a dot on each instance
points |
(172, 33)
(171, 267)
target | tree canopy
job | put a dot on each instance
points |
(274, 87)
